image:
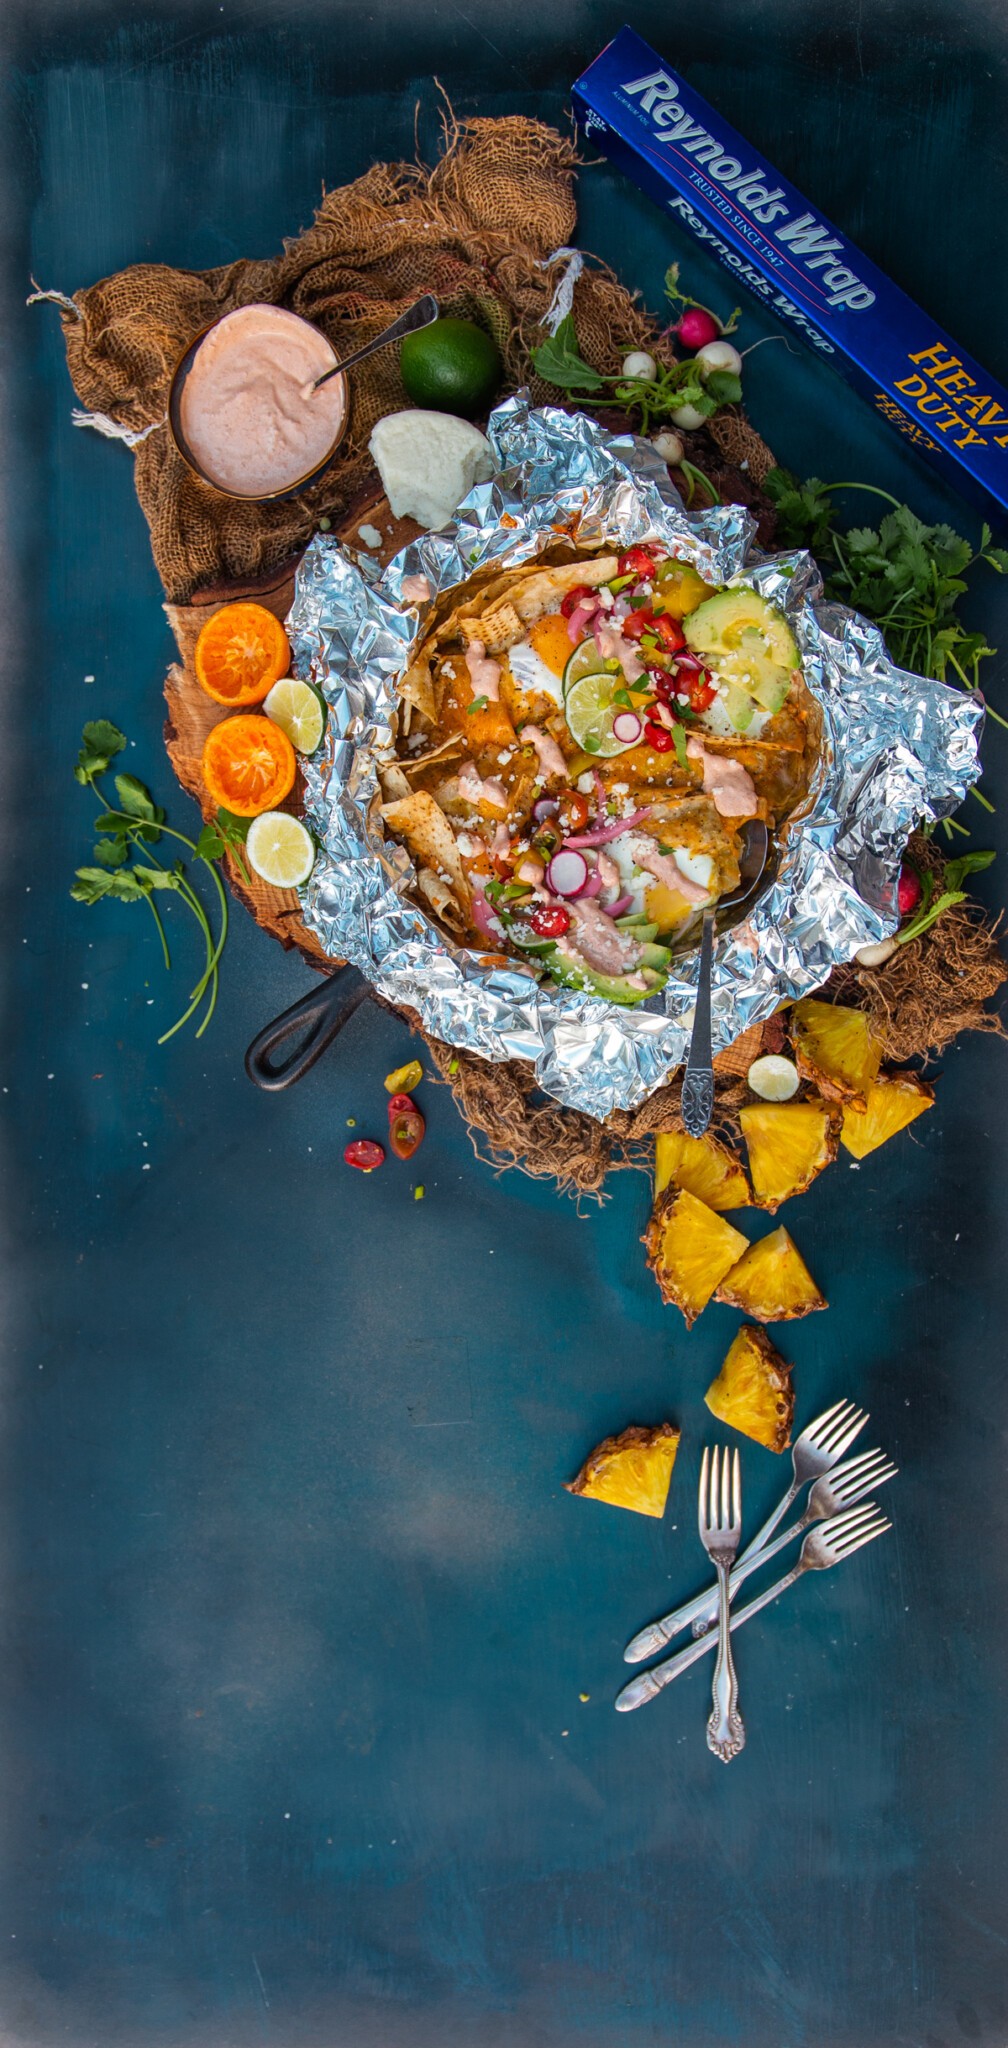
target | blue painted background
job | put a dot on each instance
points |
(297, 1616)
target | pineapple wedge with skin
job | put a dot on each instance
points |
(789, 1144)
(894, 1100)
(690, 1249)
(753, 1391)
(630, 1471)
(836, 1049)
(772, 1282)
(704, 1167)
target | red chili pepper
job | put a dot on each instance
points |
(548, 923)
(658, 738)
(365, 1154)
(636, 562)
(406, 1131)
(637, 623)
(580, 594)
(671, 632)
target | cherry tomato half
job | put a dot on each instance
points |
(580, 594)
(572, 813)
(406, 1132)
(549, 923)
(637, 623)
(670, 631)
(636, 562)
(701, 693)
(658, 737)
(398, 1103)
(365, 1154)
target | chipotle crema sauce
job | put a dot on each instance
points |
(243, 409)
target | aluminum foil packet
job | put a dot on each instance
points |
(897, 751)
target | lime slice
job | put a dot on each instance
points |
(280, 850)
(299, 711)
(589, 711)
(585, 661)
(773, 1078)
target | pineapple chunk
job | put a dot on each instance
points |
(789, 1143)
(705, 1167)
(753, 1391)
(836, 1048)
(689, 1250)
(630, 1471)
(772, 1282)
(893, 1102)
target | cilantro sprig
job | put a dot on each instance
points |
(129, 829)
(905, 576)
(559, 361)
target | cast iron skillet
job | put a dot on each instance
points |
(321, 1015)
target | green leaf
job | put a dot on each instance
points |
(591, 743)
(100, 741)
(111, 853)
(91, 885)
(478, 704)
(128, 887)
(137, 801)
(624, 698)
(211, 844)
(679, 740)
(235, 829)
(559, 360)
(157, 878)
(725, 387)
(967, 864)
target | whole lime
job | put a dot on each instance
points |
(450, 366)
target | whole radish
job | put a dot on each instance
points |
(719, 355)
(909, 889)
(640, 364)
(697, 327)
(688, 417)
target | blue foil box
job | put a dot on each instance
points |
(647, 120)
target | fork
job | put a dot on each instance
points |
(720, 1533)
(838, 1489)
(816, 1451)
(823, 1547)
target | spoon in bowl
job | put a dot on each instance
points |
(419, 315)
(698, 1080)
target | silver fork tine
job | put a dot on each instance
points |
(855, 1538)
(702, 1504)
(855, 1465)
(842, 1432)
(724, 1521)
(736, 1495)
(848, 1485)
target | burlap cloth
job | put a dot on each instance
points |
(488, 230)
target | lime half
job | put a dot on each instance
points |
(585, 661)
(589, 711)
(299, 711)
(280, 849)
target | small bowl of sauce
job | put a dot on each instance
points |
(239, 409)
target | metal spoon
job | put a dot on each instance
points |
(420, 315)
(698, 1080)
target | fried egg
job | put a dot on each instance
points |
(531, 672)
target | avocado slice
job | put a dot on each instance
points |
(719, 625)
(739, 706)
(612, 988)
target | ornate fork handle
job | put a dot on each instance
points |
(725, 1731)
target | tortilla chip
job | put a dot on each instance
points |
(417, 688)
(424, 830)
(497, 630)
(441, 900)
(393, 781)
(454, 744)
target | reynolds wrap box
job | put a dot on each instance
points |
(636, 108)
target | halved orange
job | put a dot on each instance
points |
(248, 764)
(241, 652)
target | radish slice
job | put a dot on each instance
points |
(567, 873)
(627, 727)
(484, 919)
(545, 807)
(620, 907)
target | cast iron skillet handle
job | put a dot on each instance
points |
(697, 1106)
(324, 1011)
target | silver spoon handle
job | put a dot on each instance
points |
(704, 1606)
(698, 1080)
(420, 315)
(650, 1683)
